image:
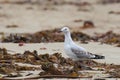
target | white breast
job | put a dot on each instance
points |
(69, 52)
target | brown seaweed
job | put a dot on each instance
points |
(51, 65)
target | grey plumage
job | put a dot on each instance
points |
(74, 51)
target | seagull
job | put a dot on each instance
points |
(73, 50)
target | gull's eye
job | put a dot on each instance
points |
(65, 29)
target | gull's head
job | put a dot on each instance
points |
(65, 30)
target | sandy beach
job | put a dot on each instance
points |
(32, 16)
(102, 49)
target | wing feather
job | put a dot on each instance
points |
(81, 53)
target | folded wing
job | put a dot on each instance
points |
(80, 53)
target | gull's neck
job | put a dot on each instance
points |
(68, 38)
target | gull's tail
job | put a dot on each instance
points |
(95, 56)
(98, 57)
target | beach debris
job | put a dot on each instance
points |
(49, 68)
(113, 70)
(53, 59)
(52, 36)
(78, 20)
(47, 36)
(118, 45)
(15, 74)
(54, 65)
(3, 51)
(114, 12)
(12, 26)
(108, 38)
(7, 67)
(115, 73)
(16, 38)
(108, 1)
(88, 24)
(44, 36)
(79, 36)
(21, 43)
(43, 48)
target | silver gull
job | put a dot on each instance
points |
(73, 50)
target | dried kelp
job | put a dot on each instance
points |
(88, 24)
(16, 38)
(44, 36)
(108, 38)
(53, 36)
(51, 65)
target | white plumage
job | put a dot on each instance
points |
(74, 51)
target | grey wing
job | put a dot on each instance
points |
(81, 53)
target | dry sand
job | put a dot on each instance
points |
(31, 18)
